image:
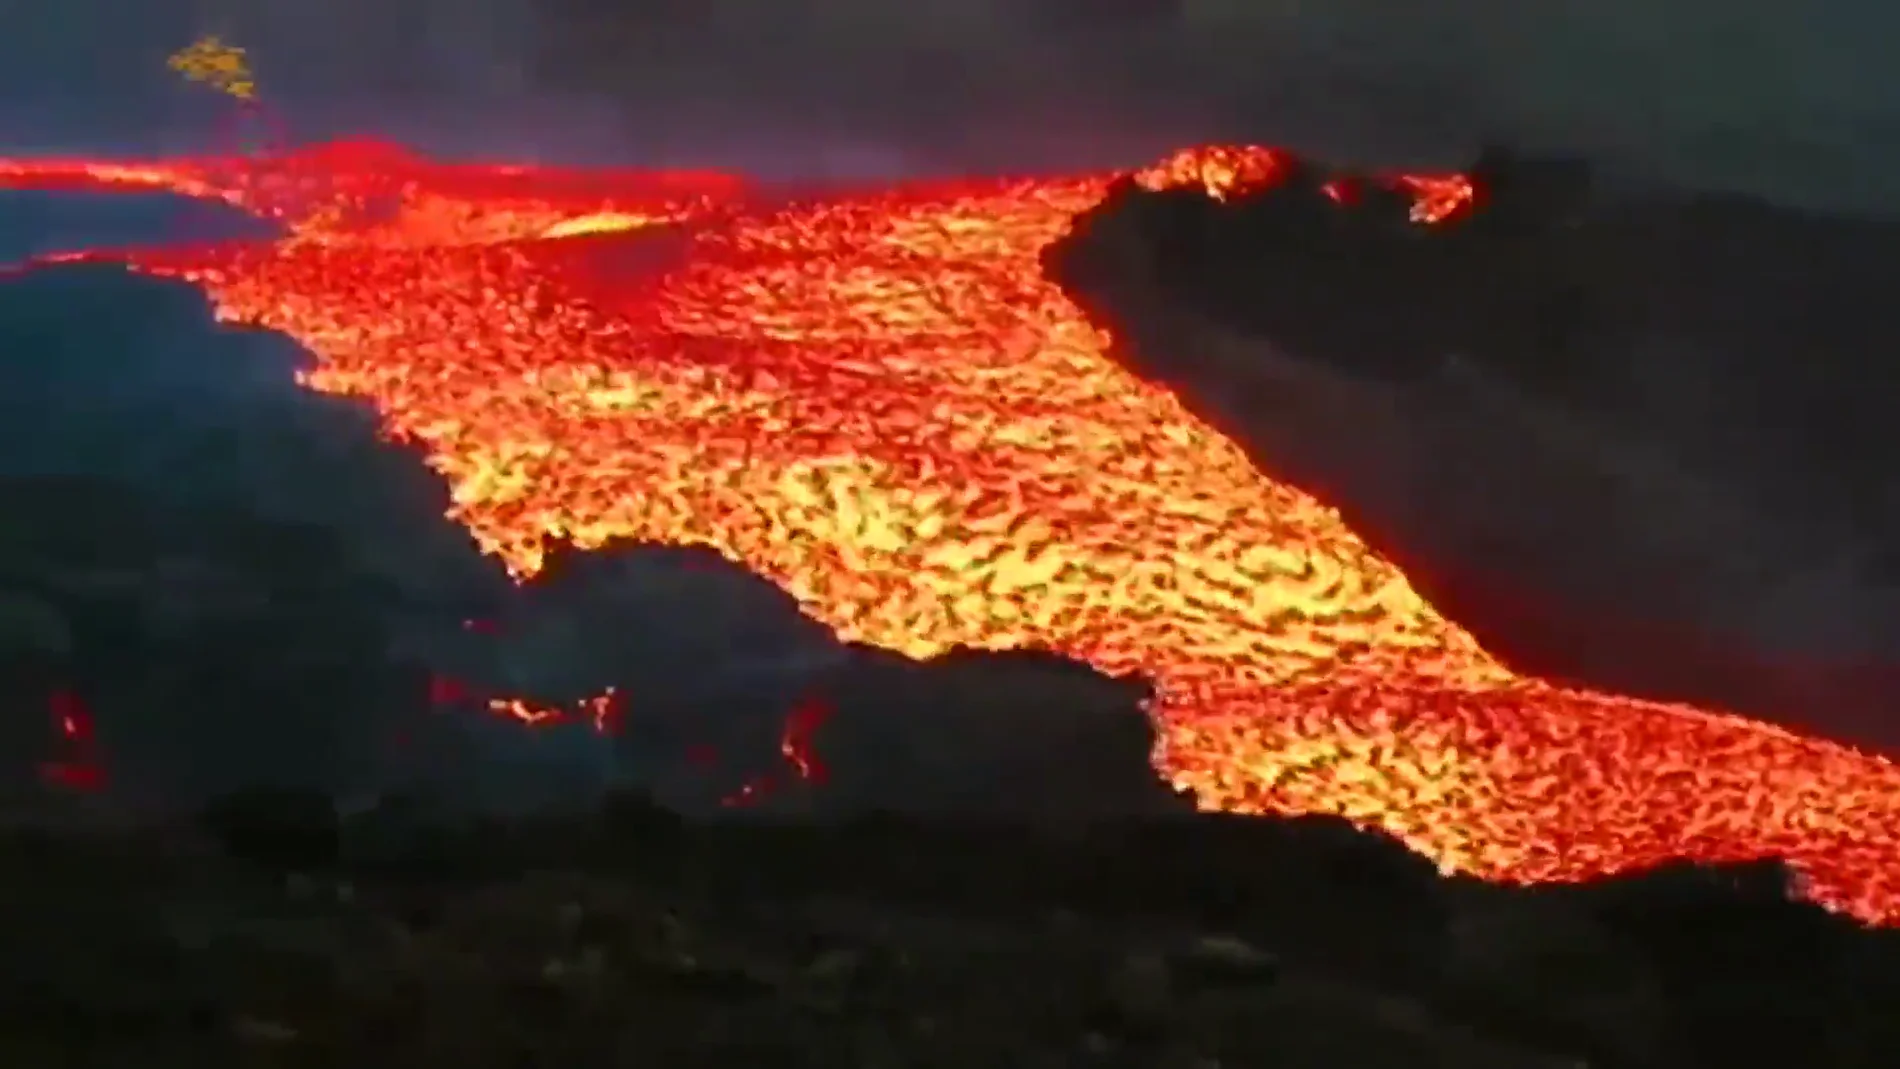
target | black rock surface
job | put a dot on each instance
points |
(1637, 440)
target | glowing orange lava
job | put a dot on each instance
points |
(878, 403)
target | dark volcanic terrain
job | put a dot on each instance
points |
(269, 934)
(1641, 440)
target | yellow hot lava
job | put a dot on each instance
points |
(878, 403)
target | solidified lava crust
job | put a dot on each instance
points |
(879, 403)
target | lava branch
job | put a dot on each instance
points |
(880, 404)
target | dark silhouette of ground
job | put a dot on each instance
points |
(275, 930)
(1640, 441)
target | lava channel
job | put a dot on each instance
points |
(878, 402)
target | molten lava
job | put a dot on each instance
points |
(878, 402)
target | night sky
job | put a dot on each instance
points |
(1797, 102)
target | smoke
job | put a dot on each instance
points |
(202, 464)
(1797, 103)
(154, 395)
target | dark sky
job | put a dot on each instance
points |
(1796, 100)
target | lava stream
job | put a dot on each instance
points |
(877, 402)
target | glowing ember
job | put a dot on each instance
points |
(879, 404)
(77, 768)
(212, 62)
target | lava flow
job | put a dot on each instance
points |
(876, 401)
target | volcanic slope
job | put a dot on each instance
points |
(875, 400)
